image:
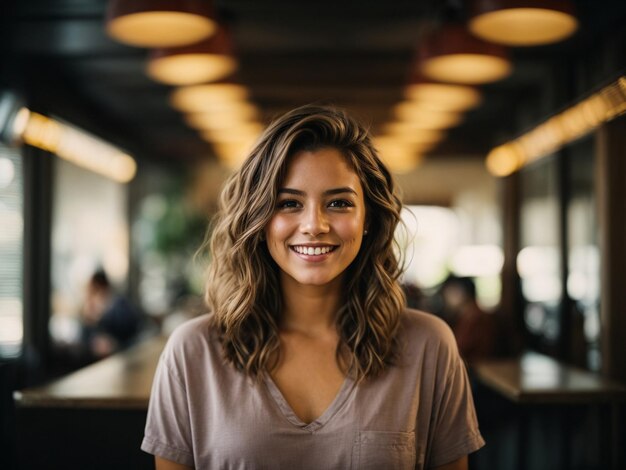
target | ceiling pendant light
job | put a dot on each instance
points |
(423, 117)
(405, 131)
(160, 23)
(522, 22)
(453, 55)
(208, 97)
(202, 62)
(223, 118)
(443, 96)
(399, 156)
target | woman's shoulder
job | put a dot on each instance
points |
(424, 322)
(192, 336)
(425, 329)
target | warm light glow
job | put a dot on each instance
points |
(200, 98)
(160, 28)
(523, 26)
(443, 97)
(471, 69)
(19, 122)
(409, 132)
(189, 69)
(504, 160)
(232, 154)
(399, 156)
(238, 133)
(422, 117)
(422, 140)
(226, 116)
(559, 130)
(405, 142)
(78, 147)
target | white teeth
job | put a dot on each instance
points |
(309, 250)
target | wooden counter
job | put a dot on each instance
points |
(535, 378)
(122, 381)
(93, 418)
(576, 414)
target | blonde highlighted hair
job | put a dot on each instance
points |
(243, 289)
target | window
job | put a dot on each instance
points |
(539, 262)
(89, 232)
(11, 253)
(583, 277)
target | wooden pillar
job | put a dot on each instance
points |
(510, 303)
(38, 166)
(611, 187)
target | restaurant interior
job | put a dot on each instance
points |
(503, 122)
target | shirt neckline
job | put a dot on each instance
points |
(290, 415)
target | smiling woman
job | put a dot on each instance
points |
(318, 226)
(309, 358)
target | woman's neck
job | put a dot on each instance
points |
(310, 310)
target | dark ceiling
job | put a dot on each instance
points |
(353, 54)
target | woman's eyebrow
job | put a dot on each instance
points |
(328, 192)
(339, 191)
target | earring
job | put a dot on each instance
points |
(364, 232)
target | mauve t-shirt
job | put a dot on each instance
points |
(418, 414)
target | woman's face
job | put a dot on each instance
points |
(317, 227)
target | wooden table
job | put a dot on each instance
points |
(534, 380)
(122, 381)
(92, 418)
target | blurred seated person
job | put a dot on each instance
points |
(110, 322)
(473, 328)
(415, 298)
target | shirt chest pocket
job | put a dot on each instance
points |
(381, 449)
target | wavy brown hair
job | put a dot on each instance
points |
(243, 288)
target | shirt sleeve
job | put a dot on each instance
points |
(168, 429)
(455, 427)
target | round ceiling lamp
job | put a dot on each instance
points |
(242, 133)
(399, 156)
(202, 62)
(203, 98)
(160, 23)
(409, 133)
(232, 154)
(418, 116)
(223, 118)
(505, 159)
(442, 96)
(453, 55)
(523, 22)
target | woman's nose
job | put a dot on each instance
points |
(314, 222)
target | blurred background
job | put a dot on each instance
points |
(502, 121)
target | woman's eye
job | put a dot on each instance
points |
(287, 204)
(340, 203)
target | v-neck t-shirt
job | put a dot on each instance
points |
(417, 414)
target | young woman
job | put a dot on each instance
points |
(308, 359)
